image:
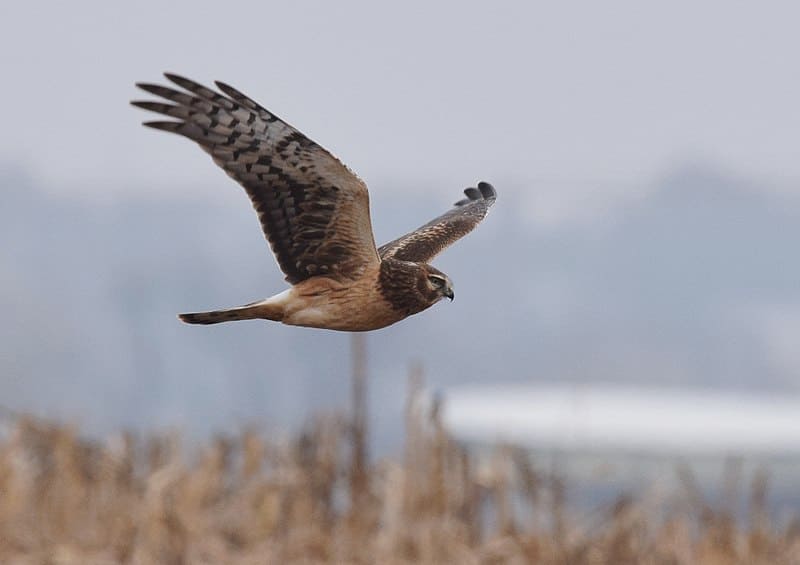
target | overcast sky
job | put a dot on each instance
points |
(681, 117)
(562, 94)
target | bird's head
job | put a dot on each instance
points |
(434, 284)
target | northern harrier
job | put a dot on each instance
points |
(315, 213)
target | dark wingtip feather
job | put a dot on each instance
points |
(151, 88)
(472, 193)
(163, 125)
(241, 98)
(148, 105)
(184, 82)
(235, 94)
(176, 78)
(487, 190)
(227, 88)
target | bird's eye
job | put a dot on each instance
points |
(437, 282)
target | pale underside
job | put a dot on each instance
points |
(314, 212)
(325, 303)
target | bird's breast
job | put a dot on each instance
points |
(351, 306)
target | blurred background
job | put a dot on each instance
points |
(644, 236)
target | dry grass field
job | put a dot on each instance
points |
(253, 499)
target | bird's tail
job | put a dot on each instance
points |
(262, 309)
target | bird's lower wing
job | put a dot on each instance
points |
(424, 243)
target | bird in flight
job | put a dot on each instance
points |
(314, 212)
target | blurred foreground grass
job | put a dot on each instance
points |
(258, 499)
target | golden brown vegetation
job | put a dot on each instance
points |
(253, 499)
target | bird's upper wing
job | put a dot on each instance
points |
(426, 242)
(314, 211)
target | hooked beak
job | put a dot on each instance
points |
(448, 292)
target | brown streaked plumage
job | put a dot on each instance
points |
(315, 214)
